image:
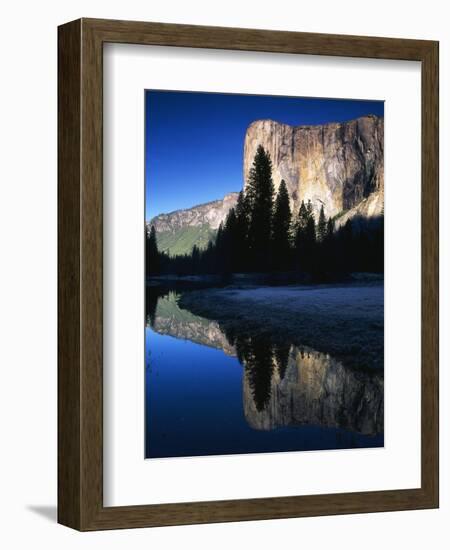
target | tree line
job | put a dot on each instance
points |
(262, 235)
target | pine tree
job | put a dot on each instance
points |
(260, 195)
(281, 225)
(311, 223)
(302, 220)
(322, 256)
(242, 223)
(230, 222)
(219, 235)
(229, 239)
(321, 226)
(219, 249)
(243, 212)
(310, 237)
(330, 228)
(151, 253)
(195, 257)
(300, 233)
(208, 258)
(305, 242)
(329, 250)
(300, 227)
(347, 241)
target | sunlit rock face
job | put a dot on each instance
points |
(319, 391)
(338, 165)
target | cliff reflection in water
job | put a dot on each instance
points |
(314, 389)
(283, 385)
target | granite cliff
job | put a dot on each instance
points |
(337, 165)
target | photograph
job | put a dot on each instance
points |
(264, 273)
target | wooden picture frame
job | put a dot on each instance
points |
(80, 272)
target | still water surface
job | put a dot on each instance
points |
(210, 393)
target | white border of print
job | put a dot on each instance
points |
(128, 478)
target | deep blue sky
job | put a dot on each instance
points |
(194, 140)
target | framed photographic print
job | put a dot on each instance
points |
(248, 274)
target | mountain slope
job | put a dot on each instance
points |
(178, 231)
(183, 239)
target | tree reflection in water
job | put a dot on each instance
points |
(152, 295)
(283, 384)
(256, 354)
(281, 354)
(260, 355)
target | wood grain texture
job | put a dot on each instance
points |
(69, 247)
(80, 242)
(430, 273)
